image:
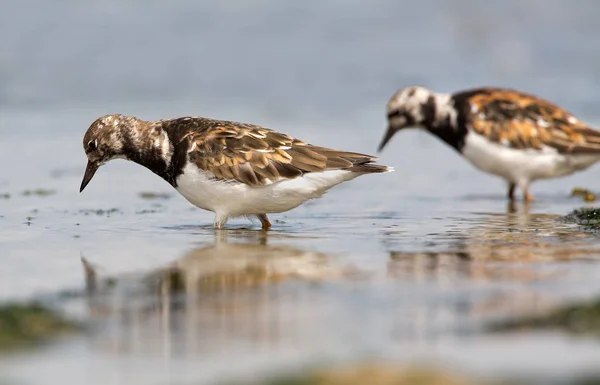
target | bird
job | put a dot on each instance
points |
(514, 135)
(230, 168)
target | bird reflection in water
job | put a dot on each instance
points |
(492, 264)
(246, 286)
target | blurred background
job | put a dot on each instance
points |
(332, 60)
(408, 266)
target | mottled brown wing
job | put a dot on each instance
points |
(258, 156)
(520, 120)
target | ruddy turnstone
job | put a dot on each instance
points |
(232, 169)
(511, 134)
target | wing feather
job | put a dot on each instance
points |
(524, 121)
(258, 156)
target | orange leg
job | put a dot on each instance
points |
(266, 225)
(526, 195)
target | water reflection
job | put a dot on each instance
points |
(480, 259)
(256, 290)
(517, 235)
(522, 236)
(246, 286)
(243, 261)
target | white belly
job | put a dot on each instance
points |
(236, 199)
(522, 166)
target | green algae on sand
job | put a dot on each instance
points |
(585, 194)
(580, 318)
(154, 195)
(587, 217)
(24, 325)
(39, 192)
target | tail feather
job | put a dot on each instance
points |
(370, 168)
(347, 160)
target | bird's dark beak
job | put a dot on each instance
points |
(391, 131)
(90, 170)
(396, 122)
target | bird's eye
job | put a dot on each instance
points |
(92, 145)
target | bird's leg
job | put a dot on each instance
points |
(511, 191)
(527, 197)
(264, 221)
(220, 221)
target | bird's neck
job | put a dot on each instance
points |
(442, 120)
(149, 145)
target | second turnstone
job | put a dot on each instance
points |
(514, 135)
(233, 169)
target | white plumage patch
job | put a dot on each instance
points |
(232, 198)
(522, 166)
(444, 108)
(165, 147)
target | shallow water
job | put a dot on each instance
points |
(407, 266)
